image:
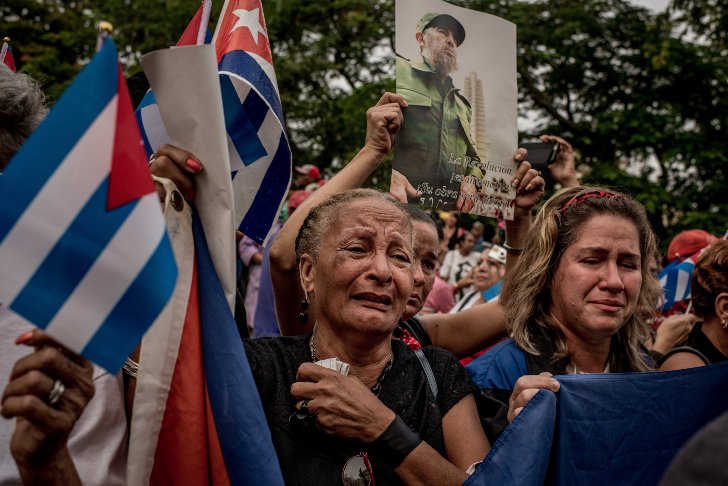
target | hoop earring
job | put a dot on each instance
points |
(303, 316)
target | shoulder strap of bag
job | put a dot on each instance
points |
(684, 349)
(428, 371)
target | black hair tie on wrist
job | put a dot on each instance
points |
(395, 443)
(511, 250)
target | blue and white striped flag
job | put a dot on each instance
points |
(675, 281)
(260, 158)
(84, 252)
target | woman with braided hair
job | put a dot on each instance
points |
(707, 343)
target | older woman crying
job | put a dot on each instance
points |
(371, 411)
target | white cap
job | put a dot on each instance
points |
(497, 253)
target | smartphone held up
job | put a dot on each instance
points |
(541, 154)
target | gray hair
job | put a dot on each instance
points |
(526, 293)
(416, 214)
(22, 108)
(318, 221)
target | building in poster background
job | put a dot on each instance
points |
(474, 92)
(455, 153)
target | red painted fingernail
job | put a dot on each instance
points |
(194, 165)
(24, 338)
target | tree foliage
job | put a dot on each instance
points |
(642, 99)
(642, 96)
(329, 71)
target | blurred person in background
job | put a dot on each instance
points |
(458, 265)
(490, 271)
(708, 340)
(304, 175)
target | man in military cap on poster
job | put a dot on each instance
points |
(435, 153)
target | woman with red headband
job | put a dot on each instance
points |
(576, 301)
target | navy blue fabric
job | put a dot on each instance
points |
(521, 454)
(499, 367)
(242, 429)
(616, 428)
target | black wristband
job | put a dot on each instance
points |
(395, 443)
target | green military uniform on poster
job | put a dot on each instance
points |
(435, 142)
(454, 149)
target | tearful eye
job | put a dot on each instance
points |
(402, 257)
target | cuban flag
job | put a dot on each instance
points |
(675, 281)
(260, 158)
(197, 417)
(84, 253)
(6, 56)
(147, 113)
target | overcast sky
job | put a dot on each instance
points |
(655, 5)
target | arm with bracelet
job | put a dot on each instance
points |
(433, 437)
(464, 448)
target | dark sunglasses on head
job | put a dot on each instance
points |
(358, 471)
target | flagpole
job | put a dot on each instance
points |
(204, 21)
(219, 23)
(105, 30)
(4, 51)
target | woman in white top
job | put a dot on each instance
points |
(489, 271)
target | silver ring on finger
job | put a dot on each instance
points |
(152, 158)
(539, 172)
(56, 392)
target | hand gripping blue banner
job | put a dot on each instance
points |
(610, 428)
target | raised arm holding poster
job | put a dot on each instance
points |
(456, 68)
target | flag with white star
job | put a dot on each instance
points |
(260, 157)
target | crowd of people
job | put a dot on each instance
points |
(395, 298)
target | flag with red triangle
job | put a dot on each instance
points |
(84, 251)
(6, 56)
